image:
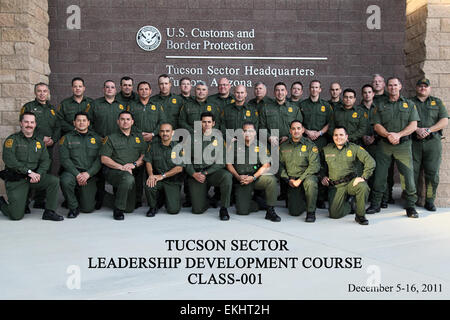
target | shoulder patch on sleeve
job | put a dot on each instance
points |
(104, 140)
(61, 141)
(88, 107)
(148, 148)
(9, 143)
(52, 112)
(315, 150)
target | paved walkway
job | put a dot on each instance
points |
(50, 260)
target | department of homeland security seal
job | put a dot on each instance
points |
(148, 38)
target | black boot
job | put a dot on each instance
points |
(372, 209)
(118, 214)
(412, 213)
(310, 217)
(430, 206)
(271, 215)
(223, 214)
(73, 213)
(51, 215)
(362, 220)
(151, 212)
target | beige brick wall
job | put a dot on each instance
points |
(427, 51)
(24, 58)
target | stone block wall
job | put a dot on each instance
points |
(24, 48)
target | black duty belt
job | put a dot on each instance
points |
(347, 178)
(429, 137)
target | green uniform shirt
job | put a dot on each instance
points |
(161, 157)
(297, 103)
(123, 149)
(221, 102)
(192, 110)
(430, 111)
(46, 121)
(208, 164)
(104, 115)
(21, 154)
(259, 105)
(394, 116)
(336, 104)
(147, 118)
(368, 116)
(235, 116)
(316, 114)
(275, 116)
(171, 105)
(341, 163)
(353, 119)
(127, 100)
(299, 159)
(67, 110)
(247, 159)
(80, 152)
(378, 98)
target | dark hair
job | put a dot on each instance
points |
(207, 114)
(315, 80)
(185, 78)
(77, 79)
(143, 82)
(248, 123)
(81, 113)
(164, 75)
(392, 78)
(29, 113)
(297, 82)
(349, 90)
(126, 78)
(126, 112)
(279, 84)
(165, 122)
(294, 121)
(341, 127)
(367, 86)
(104, 83)
(40, 84)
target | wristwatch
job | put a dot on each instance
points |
(135, 164)
(428, 130)
(163, 175)
(29, 171)
(254, 178)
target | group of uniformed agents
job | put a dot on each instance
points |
(125, 132)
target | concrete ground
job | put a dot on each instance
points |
(56, 260)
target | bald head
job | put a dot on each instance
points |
(240, 94)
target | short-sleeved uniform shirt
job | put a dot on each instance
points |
(123, 149)
(394, 116)
(299, 159)
(161, 157)
(316, 114)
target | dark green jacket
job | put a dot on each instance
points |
(430, 111)
(46, 120)
(123, 149)
(353, 120)
(147, 118)
(340, 163)
(235, 116)
(299, 159)
(67, 110)
(275, 116)
(191, 111)
(21, 154)
(214, 160)
(127, 100)
(161, 157)
(171, 105)
(104, 115)
(316, 114)
(394, 116)
(80, 153)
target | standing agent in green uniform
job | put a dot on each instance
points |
(26, 164)
(296, 93)
(341, 175)
(47, 128)
(164, 176)
(239, 112)
(166, 100)
(126, 94)
(317, 114)
(394, 121)
(185, 89)
(80, 159)
(103, 114)
(261, 98)
(70, 106)
(123, 153)
(426, 145)
(351, 117)
(335, 94)
(299, 164)
(249, 175)
(208, 169)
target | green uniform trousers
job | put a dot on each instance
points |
(320, 143)
(402, 154)
(171, 192)
(82, 197)
(125, 189)
(428, 155)
(337, 195)
(17, 192)
(39, 195)
(220, 178)
(243, 194)
(304, 197)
